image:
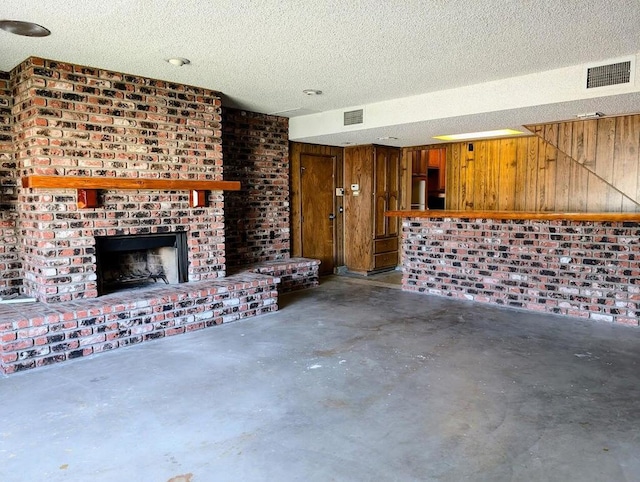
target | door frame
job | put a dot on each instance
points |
(332, 159)
(296, 150)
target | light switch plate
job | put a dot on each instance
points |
(355, 187)
(339, 191)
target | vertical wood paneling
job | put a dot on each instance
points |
(492, 162)
(579, 180)
(541, 161)
(579, 166)
(598, 191)
(454, 170)
(531, 174)
(507, 150)
(625, 155)
(521, 151)
(478, 173)
(548, 201)
(629, 206)
(605, 140)
(564, 167)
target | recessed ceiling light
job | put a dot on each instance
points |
(26, 29)
(479, 135)
(312, 92)
(178, 61)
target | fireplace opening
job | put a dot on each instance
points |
(125, 262)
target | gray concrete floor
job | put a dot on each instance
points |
(348, 382)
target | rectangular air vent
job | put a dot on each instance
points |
(611, 74)
(353, 117)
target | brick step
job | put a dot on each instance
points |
(294, 273)
(38, 334)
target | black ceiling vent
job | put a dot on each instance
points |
(353, 117)
(612, 74)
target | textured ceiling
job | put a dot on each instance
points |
(261, 54)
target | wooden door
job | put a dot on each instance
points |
(317, 190)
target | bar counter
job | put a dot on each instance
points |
(576, 264)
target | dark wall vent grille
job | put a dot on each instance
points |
(353, 117)
(611, 74)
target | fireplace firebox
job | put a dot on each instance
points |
(125, 262)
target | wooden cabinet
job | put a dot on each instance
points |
(372, 187)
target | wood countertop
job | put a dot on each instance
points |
(524, 215)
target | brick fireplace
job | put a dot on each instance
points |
(64, 120)
(80, 121)
(126, 262)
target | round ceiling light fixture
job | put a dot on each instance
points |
(178, 61)
(312, 92)
(25, 29)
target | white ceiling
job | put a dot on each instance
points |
(261, 54)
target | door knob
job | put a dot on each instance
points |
(332, 217)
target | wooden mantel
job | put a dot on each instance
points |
(74, 182)
(524, 215)
(87, 187)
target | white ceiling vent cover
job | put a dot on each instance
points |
(620, 72)
(353, 117)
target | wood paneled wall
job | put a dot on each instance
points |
(579, 166)
(296, 150)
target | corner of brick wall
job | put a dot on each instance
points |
(256, 152)
(10, 265)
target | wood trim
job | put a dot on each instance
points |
(76, 182)
(541, 216)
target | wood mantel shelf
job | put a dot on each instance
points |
(73, 182)
(524, 215)
(88, 186)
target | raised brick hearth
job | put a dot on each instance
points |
(36, 335)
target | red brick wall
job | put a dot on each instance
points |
(256, 152)
(584, 269)
(10, 266)
(80, 121)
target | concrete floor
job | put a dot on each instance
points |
(348, 382)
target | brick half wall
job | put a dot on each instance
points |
(581, 269)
